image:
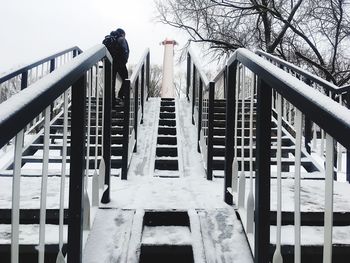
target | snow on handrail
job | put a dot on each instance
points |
(22, 107)
(325, 84)
(22, 69)
(328, 114)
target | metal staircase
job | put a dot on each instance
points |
(255, 128)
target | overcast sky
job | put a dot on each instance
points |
(34, 29)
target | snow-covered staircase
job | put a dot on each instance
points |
(167, 157)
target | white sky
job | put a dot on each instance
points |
(34, 29)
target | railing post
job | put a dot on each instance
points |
(262, 173)
(77, 166)
(24, 80)
(348, 150)
(136, 101)
(126, 132)
(308, 127)
(107, 128)
(142, 91)
(188, 77)
(200, 109)
(210, 131)
(148, 71)
(193, 91)
(52, 68)
(230, 127)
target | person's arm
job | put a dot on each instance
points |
(125, 48)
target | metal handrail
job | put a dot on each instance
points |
(333, 118)
(307, 75)
(138, 67)
(25, 68)
(138, 86)
(202, 75)
(21, 108)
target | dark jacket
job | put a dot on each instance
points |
(118, 47)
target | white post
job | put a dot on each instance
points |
(328, 213)
(167, 90)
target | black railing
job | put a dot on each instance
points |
(23, 107)
(138, 86)
(24, 76)
(28, 74)
(268, 79)
(199, 88)
(339, 94)
(203, 94)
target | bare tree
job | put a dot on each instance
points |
(155, 80)
(313, 34)
(180, 84)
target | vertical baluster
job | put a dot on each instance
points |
(43, 195)
(277, 257)
(95, 182)
(328, 213)
(284, 103)
(102, 168)
(314, 138)
(290, 114)
(16, 189)
(297, 220)
(42, 70)
(250, 199)
(60, 257)
(235, 160)
(322, 143)
(36, 73)
(86, 222)
(241, 187)
(339, 146)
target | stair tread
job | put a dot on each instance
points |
(30, 234)
(166, 235)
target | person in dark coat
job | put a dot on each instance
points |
(120, 55)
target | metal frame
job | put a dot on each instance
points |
(326, 113)
(21, 108)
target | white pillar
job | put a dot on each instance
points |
(168, 90)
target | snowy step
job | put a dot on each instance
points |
(166, 173)
(166, 235)
(165, 122)
(223, 236)
(166, 151)
(115, 160)
(312, 198)
(167, 108)
(312, 241)
(166, 164)
(287, 163)
(167, 115)
(167, 130)
(166, 140)
(167, 103)
(110, 239)
(29, 240)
